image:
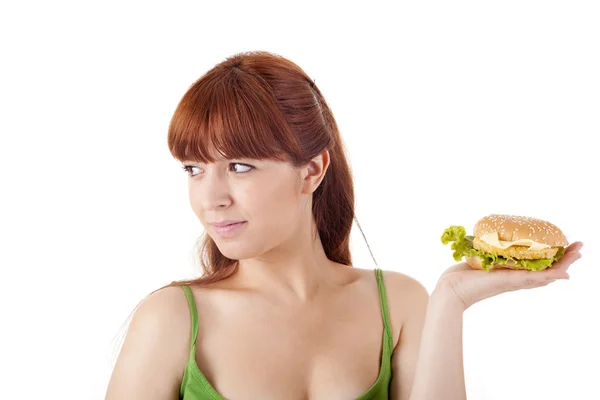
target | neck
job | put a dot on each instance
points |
(295, 272)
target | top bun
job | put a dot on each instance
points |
(513, 227)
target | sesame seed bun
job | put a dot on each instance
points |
(512, 227)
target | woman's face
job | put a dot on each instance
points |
(267, 195)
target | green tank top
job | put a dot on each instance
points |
(195, 386)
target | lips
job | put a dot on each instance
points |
(225, 223)
(230, 230)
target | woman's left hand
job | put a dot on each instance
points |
(468, 286)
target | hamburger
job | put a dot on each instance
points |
(507, 241)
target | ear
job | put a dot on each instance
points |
(313, 173)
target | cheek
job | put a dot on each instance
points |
(273, 203)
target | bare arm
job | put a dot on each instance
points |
(154, 353)
(440, 372)
(427, 363)
(412, 306)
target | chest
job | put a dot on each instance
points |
(260, 352)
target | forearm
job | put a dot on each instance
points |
(439, 372)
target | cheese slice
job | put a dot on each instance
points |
(492, 239)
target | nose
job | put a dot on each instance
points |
(215, 191)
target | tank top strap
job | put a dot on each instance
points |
(193, 315)
(384, 308)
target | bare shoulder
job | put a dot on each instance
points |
(168, 299)
(155, 350)
(401, 287)
(407, 298)
(405, 295)
(162, 314)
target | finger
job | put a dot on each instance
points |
(559, 268)
(535, 279)
(525, 279)
(532, 279)
(575, 246)
(576, 256)
(567, 259)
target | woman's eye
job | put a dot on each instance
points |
(187, 168)
(247, 167)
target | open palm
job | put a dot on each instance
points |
(470, 285)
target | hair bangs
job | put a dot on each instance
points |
(238, 118)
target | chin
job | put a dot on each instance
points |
(234, 250)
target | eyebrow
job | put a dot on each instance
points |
(200, 162)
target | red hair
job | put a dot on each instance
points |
(261, 105)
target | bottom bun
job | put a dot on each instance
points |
(475, 263)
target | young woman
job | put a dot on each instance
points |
(280, 311)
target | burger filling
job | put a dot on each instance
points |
(520, 252)
(466, 246)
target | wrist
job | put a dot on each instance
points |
(444, 296)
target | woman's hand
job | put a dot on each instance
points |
(468, 286)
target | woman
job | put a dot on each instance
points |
(280, 312)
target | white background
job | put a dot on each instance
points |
(450, 111)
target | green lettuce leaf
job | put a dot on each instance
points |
(463, 247)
